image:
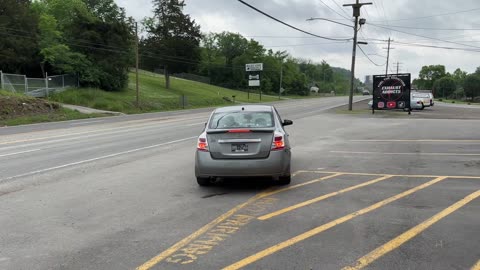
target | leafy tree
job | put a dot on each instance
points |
(19, 37)
(173, 39)
(429, 74)
(459, 76)
(109, 45)
(445, 86)
(472, 85)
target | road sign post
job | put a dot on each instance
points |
(253, 72)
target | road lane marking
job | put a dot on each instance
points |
(18, 153)
(321, 198)
(399, 175)
(99, 131)
(406, 236)
(421, 140)
(192, 237)
(187, 240)
(270, 193)
(86, 122)
(93, 159)
(411, 153)
(269, 251)
(476, 266)
(205, 243)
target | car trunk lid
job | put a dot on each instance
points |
(240, 143)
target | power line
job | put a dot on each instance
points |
(343, 10)
(343, 16)
(378, 65)
(427, 28)
(398, 43)
(435, 15)
(286, 24)
(427, 37)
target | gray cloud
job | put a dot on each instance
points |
(230, 15)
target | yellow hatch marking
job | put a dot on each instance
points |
(406, 236)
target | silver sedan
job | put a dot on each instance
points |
(244, 141)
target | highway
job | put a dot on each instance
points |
(120, 193)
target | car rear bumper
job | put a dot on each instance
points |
(277, 164)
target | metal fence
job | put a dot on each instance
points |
(37, 87)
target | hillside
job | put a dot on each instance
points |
(16, 109)
(155, 97)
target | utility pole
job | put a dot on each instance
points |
(398, 67)
(136, 64)
(356, 13)
(281, 80)
(388, 55)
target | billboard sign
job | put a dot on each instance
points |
(391, 92)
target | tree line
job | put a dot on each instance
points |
(96, 40)
(456, 85)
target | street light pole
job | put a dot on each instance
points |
(356, 13)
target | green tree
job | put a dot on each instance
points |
(429, 74)
(445, 86)
(459, 76)
(173, 39)
(472, 86)
(19, 37)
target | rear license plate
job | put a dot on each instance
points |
(239, 148)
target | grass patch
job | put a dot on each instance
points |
(455, 101)
(60, 115)
(155, 97)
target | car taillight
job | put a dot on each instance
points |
(278, 142)
(202, 144)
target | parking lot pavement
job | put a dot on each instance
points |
(438, 111)
(374, 192)
(341, 220)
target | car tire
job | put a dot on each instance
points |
(284, 180)
(204, 181)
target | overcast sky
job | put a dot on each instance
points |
(231, 15)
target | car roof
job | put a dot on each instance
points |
(247, 108)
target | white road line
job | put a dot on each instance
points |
(86, 122)
(414, 154)
(18, 153)
(93, 159)
(197, 124)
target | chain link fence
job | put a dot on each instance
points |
(37, 87)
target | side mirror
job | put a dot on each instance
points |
(287, 122)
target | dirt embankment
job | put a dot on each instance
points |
(14, 107)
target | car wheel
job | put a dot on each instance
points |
(284, 180)
(203, 181)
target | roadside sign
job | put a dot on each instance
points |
(254, 67)
(254, 83)
(391, 91)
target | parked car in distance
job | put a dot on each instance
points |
(243, 141)
(424, 97)
(366, 92)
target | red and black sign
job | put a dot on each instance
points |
(391, 92)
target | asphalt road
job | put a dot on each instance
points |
(119, 193)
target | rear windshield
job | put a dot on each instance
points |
(241, 120)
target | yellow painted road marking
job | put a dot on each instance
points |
(424, 140)
(407, 154)
(270, 193)
(266, 252)
(399, 175)
(162, 256)
(321, 198)
(406, 236)
(476, 266)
